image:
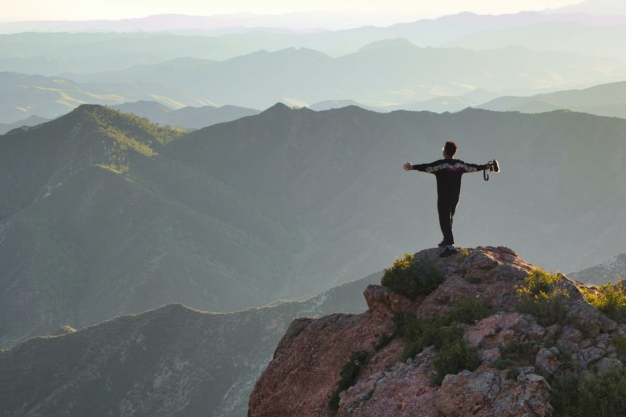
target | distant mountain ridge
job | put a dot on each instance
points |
(613, 270)
(602, 100)
(28, 122)
(595, 7)
(59, 53)
(188, 117)
(389, 73)
(562, 36)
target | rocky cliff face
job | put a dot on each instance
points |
(305, 370)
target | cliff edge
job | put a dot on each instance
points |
(468, 348)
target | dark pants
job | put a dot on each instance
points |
(446, 212)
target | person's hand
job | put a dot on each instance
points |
(408, 166)
(489, 165)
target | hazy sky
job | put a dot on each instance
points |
(21, 10)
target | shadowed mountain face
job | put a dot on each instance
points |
(171, 361)
(106, 214)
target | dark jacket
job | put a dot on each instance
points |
(449, 173)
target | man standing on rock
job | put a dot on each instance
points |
(448, 172)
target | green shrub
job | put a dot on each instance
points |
(595, 395)
(411, 277)
(454, 354)
(620, 346)
(453, 358)
(610, 300)
(469, 311)
(522, 354)
(541, 297)
(383, 341)
(422, 332)
(515, 355)
(349, 373)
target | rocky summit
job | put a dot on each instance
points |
(506, 362)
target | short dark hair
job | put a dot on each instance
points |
(450, 148)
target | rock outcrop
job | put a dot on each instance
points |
(305, 370)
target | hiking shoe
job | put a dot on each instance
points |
(442, 244)
(448, 252)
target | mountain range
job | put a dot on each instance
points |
(386, 73)
(62, 52)
(106, 214)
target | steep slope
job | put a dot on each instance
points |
(464, 347)
(168, 362)
(97, 222)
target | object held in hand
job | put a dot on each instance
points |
(494, 167)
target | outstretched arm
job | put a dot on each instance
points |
(475, 167)
(420, 167)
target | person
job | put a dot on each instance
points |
(448, 172)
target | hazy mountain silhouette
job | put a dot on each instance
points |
(28, 122)
(595, 7)
(392, 72)
(49, 97)
(106, 214)
(55, 65)
(188, 117)
(601, 100)
(387, 73)
(338, 104)
(569, 37)
(61, 53)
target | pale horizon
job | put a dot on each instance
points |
(353, 12)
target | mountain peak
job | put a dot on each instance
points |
(278, 108)
(397, 43)
(397, 357)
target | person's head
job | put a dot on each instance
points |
(449, 149)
